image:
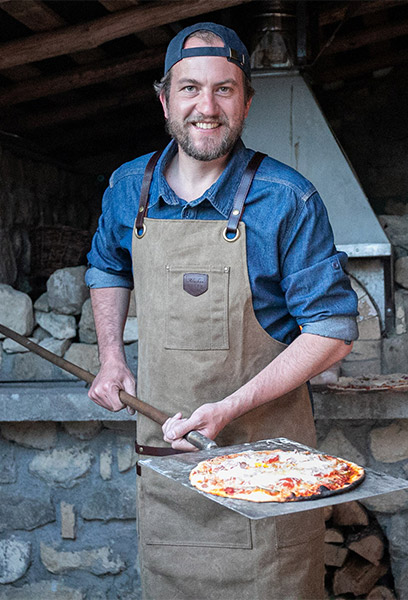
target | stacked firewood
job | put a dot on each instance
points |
(356, 556)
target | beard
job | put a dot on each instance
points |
(210, 149)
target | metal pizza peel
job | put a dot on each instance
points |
(178, 466)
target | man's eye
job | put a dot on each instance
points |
(224, 89)
(189, 89)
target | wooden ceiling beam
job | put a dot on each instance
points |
(360, 69)
(35, 15)
(100, 72)
(76, 112)
(338, 13)
(365, 37)
(94, 33)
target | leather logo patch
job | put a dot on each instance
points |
(195, 284)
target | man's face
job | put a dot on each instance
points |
(206, 110)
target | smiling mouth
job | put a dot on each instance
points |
(203, 125)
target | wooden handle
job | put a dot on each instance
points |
(145, 409)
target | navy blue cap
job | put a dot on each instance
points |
(234, 50)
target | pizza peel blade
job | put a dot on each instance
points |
(178, 466)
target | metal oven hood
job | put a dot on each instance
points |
(286, 122)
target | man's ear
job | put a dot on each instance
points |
(247, 107)
(163, 101)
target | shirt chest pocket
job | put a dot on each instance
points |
(197, 307)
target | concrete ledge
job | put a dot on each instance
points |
(68, 401)
(387, 404)
(52, 401)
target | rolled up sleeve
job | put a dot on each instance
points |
(317, 290)
(110, 263)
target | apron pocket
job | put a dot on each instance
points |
(172, 515)
(197, 308)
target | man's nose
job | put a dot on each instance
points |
(207, 103)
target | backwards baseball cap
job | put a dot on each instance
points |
(234, 50)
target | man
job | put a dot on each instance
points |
(232, 254)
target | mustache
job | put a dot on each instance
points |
(222, 120)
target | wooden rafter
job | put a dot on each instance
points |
(93, 34)
(373, 35)
(100, 72)
(83, 110)
(359, 7)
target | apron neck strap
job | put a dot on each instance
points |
(239, 200)
(144, 192)
(242, 192)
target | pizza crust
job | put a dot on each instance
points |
(275, 475)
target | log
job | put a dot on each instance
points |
(374, 35)
(113, 26)
(334, 556)
(380, 592)
(357, 577)
(350, 513)
(107, 70)
(333, 536)
(370, 547)
(339, 12)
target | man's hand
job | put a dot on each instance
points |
(112, 377)
(208, 419)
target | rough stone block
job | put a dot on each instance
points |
(396, 229)
(110, 502)
(42, 303)
(337, 444)
(85, 356)
(40, 334)
(23, 512)
(16, 310)
(41, 435)
(105, 463)
(29, 367)
(83, 430)
(62, 466)
(365, 350)
(369, 329)
(401, 271)
(354, 368)
(366, 309)
(131, 333)
(12, 347)
(68, 521)
(387, 503)
(126, 454)
(395, 353)
(59, 326)
(58, 347)
(389, 444)
(67, 290)
(99, 561)
(41, 590)
(14, 559)
(401, 311)
(87, 333)
(8, 471)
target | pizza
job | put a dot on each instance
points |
(275, 475)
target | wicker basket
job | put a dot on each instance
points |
(56, 246)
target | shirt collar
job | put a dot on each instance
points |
(221, 194)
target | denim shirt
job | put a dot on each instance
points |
(295, 272)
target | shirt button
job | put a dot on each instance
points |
(336, 265)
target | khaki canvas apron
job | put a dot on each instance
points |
(195, 349)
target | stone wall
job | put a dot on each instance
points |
(67, 517)
(36, 193)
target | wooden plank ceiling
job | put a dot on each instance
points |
(76, 77)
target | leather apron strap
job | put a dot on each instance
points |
(237, 206)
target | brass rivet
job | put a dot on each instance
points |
(235, 212)
(141, 209)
